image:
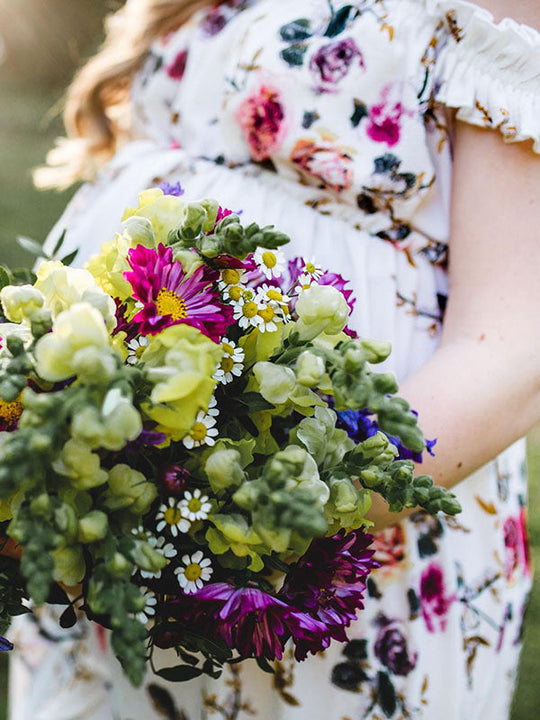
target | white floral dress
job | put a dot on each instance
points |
(330, 120)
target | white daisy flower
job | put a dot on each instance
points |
(170, 516)
(231, 277)
(233, 293)
(271, 295)
(202, 432)
(246, 312)
(304, 282)
(270, 262)
(268, 314)
(164, 548)
(194, 573)
(232, 362)
(310, 268)
(136, 347)
(195, 506)
(150, 607)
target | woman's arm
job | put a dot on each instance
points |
(480, 391)
(523, 11)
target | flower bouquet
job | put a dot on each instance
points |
(190, 437)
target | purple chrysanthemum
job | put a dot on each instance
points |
(329, 582)
(251, 621)
(169, 297)
(174, 189)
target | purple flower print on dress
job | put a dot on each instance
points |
(332, 62)
(262, 120)
(177, 68)
(392, 650)
(385, 118)
(324, 162)
(435, 603)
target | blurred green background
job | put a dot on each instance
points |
(41, 43)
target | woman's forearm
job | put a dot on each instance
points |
(476, 400)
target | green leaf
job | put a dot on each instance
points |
(387, 694)
(59, 242)
(296, 30)
(360, 111)
(4, 277)
(294, 55)
(68, 259)
(338, 22)
(31, 246)
(255, 402)
(24, 275)
(180, 673)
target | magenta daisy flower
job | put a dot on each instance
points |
(169, 297)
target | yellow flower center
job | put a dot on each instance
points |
(269, 259)
(139, 351)
(250, 309)
(198, 431)
(275, 295)
(10, 412)
(267, 313)
(172, 516)
(169, 303)
(235, 293)
(194, 505)
(227, 348)
(306, 286)
(310, 268)
(193, 572)
(230, 276)
(227, 364)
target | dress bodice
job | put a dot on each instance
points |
(348, 98)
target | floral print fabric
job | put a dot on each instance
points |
(331, 120)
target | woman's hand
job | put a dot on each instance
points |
(480, 391)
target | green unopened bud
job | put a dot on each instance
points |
(385, 383)
(92, 527)
(41, 505)
(310, 369)
(224, 470)
(371, 477)
(15, 345)
(450, 505)
(210, 246)
(120, 566)
(41, 322)
(146, 558)
(354, 360)
(69, 565)
(39, 443)
(376, 351)
(65, 520)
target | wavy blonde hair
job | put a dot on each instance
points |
(96, 114)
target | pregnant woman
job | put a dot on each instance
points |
(395, 141)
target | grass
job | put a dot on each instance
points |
(25, 135)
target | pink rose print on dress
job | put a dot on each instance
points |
(385, 118)
(261, 118)
(389, 546)
(516, 545)
(435, 603)
(330, 165)
(332, 62)
(178, 67)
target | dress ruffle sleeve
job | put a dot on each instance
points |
(489, 71)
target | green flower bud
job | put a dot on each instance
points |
(375, 350)
(119, 566)
(69, 565)
(65, 520)
(20, 302)
(321, 309)
(41, 505)
(276, 382)
(92, 527)
(94, 366)
(224, 470)
(129, 490)
(41, 322)
(310, 369)
(146, 558)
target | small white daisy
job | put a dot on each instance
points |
(231, 277)
(233, 293)
(136, 347)
(267, 315)
(304, 282)
(245, 312)
(164, 548)
(170, 516)
(270, 262)
(271, 295)
(194, 573)
(202, 432)
(232, 362)
(195, 506)
(150, 607)
(310, 268)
